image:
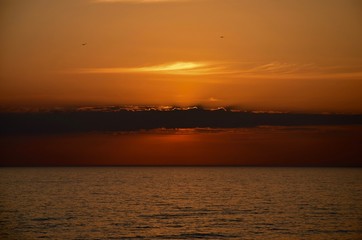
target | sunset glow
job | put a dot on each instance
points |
(181, 119)
(258, 55)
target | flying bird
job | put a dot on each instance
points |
(221, 36)
(83, 44)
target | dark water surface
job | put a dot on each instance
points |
(180, 203)
(262, 146)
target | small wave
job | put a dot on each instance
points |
(167, 216)
(196, 235)
(204, 235)
(43, 219)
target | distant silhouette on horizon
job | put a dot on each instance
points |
(113, 119)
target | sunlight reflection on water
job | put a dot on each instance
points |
(180, 203)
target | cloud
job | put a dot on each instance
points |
(177, 68)
(280, 67)
(294, 70)
(241, 70)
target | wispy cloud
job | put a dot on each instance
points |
(281, 68)
(295, 70)
(178, 68)
(239, 70)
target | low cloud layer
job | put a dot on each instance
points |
(114, 119)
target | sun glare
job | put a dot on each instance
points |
(178, 66)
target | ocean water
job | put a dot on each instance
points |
(180, 203)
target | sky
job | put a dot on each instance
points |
(285, 55)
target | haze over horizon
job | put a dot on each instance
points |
(290, 56)
(74, 72)
(181, 119)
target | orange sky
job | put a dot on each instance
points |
(274, 55)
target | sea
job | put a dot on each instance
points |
(180, 203)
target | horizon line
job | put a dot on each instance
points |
(160, 108)
(179, 166)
